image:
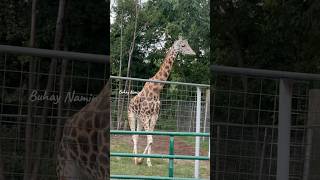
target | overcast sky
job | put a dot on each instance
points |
(111, 14)
(112, 3)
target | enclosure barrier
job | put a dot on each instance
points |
(170, 156)
(29, 130)
(97, 58)
(282, 114)
(196, 98)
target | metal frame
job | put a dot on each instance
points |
(286, 80)
(17, 120)
(97, 58)
(171, 155)
(94, 58)
(158, 81)
(285, 98)
(264, 73)
(198, 110)
(150, 177)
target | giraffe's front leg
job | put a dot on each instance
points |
(153, 122)
(135, 139)
(133, 121)
(150, 141)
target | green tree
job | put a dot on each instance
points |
(266, 34)
(159, 24)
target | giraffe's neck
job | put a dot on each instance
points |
(153, 89)
(165, 68)
(97, 110)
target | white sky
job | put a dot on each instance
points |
(112, 3)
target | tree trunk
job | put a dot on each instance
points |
(177, 115)
(191, 117)
(53, 65)
(60, 105)
(32, 69)
(127, 84)
(64, 66)
(239, 56)
(119, 114)
(217, 155)
(119, 96)
(1, 166)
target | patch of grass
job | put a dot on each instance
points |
(182, 168)
(126, 166)
(204, 144)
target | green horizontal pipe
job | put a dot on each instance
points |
(161, 156)
(160, 133)
(150, 177)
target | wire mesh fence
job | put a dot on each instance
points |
(177, 114)
(246, 126)
(35, 103)
(178, 105)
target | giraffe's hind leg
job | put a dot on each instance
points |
(134, 126)
(71, 171)
(149, 123)
(67, 168)
(153, 122)
(68, 171)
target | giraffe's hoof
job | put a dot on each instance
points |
(140, 161)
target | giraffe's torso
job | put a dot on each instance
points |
(146, 103)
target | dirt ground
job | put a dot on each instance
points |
(160, 145)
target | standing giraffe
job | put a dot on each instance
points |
(143, 109)
(84, 148)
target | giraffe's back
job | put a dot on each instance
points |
(83, 149)
(144, 105)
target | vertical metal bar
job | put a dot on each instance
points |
(311, 167)
(263, 153)
(171, 152)
(209, 148)
(206, 112)
(285, 98)
(306, 169)
(197, 146)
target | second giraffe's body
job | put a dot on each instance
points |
(144, 108)
(84, 147)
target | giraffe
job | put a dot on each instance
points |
(84, 148)
(143, 109)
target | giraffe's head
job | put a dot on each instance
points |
(182, 46)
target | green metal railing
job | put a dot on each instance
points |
(169, 156)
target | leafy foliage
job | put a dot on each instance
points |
(267, 34)
(159, 25)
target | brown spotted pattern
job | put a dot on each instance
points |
(84, 148)
(143, 109)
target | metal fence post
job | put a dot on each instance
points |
(283, 159)
(197, 148)
(171, 152)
